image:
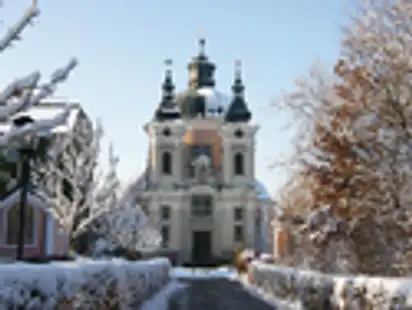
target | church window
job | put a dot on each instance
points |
(145, 208)
(238, 163)
(202, 205)
(192, 170)
(238, 213)
(238, 233)
(165, 231)
(165, 210)
(167, 163)
(201, 150)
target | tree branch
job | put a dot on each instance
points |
(13, 34)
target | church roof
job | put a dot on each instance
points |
(261, 191)
(167, 109)
(238, 111)
(202, 98)
(206, 101)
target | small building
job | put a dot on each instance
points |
(199, 187)
(42, 233)
(52, 107)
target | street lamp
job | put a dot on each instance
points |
(26, 146)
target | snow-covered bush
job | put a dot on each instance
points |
(123, 226)
(84, 284)
(127, 227)
(313, 290)
(266, 258)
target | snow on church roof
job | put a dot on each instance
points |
(214, 99)
(261, 191)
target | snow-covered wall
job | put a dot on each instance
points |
(314, 290)
(84, 283)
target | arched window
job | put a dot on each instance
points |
(238, 164)
(13, 225)
(167, 163)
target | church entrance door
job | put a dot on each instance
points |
(201, 248)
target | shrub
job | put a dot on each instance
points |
(314, 290)
(84, 284)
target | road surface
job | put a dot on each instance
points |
(220, 294)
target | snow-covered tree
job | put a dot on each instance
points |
(74, 186)
(354, 142)
(128, 228)
(25, 92)
(125, 225)
(84, 198)
(113, 185)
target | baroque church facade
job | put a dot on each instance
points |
(199, 185)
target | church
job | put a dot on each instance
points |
(199, 187)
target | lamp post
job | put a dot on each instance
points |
(25, 145)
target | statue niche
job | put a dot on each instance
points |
(202, 168)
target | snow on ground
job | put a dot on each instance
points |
(221, 272)
(231, 274)
(161, 300)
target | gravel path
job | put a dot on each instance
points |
(221, 294)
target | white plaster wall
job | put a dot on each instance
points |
(246, 145)
(184, 230)
(155, 216)
(179, 162)
(159, 143)
(222, 224)
(227, 167)
(227, 221)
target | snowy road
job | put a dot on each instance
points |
(219, 293)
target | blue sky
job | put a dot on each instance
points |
(121, 46)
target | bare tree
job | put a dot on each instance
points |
(354, 140)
